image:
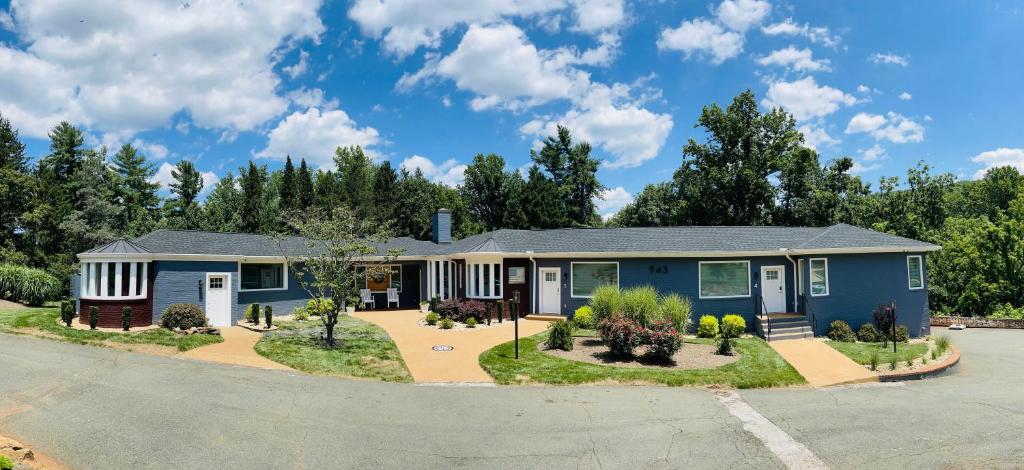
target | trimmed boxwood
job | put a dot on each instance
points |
(560, 335)
(94, 316)
(707, 326)
(67, 311)
(839, 330)
(183, 316)
(268, 315)
(867, 333)
(126, 318)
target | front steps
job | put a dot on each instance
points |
(785, 326)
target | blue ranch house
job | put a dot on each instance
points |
(797, 278)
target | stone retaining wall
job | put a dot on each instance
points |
(977, 322)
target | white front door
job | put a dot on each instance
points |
(773, 288)
(218, 298)
(551, 290)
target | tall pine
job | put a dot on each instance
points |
(289, 199)
(135, 191)
(16, 186)
(305, 193)
(254, 198)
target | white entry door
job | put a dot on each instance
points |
(551, 290)
(773, 288)
(218, 299)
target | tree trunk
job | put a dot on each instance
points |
(332, 319)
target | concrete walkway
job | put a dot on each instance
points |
(821, 365)
(237, 349)
(460, 365)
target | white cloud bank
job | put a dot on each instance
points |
(1002, 156)
(314, 134)
(450, 172)
(719, 38)
(801, 60)
(893, 127)
(611, 201)
(805, 99)
(164, 178)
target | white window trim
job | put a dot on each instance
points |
(800, 277)
(920, 263)
(488, 264)
(700, 281)
(100, 270)
(810, 276)
(618, 281)
(389, 266)
(284, 274)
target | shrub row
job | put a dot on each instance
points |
(642, 305)
(460, 310)
(839, 330)
(29, 285)
(623, 335)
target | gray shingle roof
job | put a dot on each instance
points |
(120, 246)
(572, 240)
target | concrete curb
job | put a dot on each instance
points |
(933, 370)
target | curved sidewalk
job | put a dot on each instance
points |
(236, 349)
(460, 365)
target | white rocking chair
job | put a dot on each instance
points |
(392, 296)
(367, 298)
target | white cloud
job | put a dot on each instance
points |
(404, 26)
(446, 102)
(701, 37)
(805, 99)
(815, 34)
(740, 15)
(1002, 156)
(816, 137)
(863, 89)
(132, 65)
(313, 135)
(311, 98)
(611, 201)
(905, 96)
(800, 60)
(894, 59)
(299, 67)
(450, 173)
(859, 167)
(893, 127)
(164, 178)
(876, 152)
(6, 21)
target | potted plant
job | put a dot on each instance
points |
(350, 305)
(424, 306)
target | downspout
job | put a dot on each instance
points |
(533, 286)
(796, 282)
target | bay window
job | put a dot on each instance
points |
(441, 279)
(484, 280)
(587, 276)
(724, 279)
(113, 279)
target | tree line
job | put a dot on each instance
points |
(751, 168)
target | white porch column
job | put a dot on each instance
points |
(133, 279)
(94, 279)
(430, 280)
(104, 268)
(118, 267)
(145, 279)
(83, 279)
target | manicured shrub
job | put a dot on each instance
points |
(300, 314)
(474, 309)
(94, 316)
(268, 315)
(663, 340)
(583, 317)
(868, 334)
(431, 318)
(253, 314)
(435, 303)
(605, 302)
(707, 326)
(560, 335)
(67, 311)
(621, 334)
(126, 318)
(640, 304)
(447, 323)
(448, 309)
(733, 326)
(470, 322)
(183, 317)
(29, 285)
(839, 330)
(678, 310)
(902, 335)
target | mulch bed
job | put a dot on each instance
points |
(593, 351)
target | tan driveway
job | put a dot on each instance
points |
(236, 349)
(461, 365)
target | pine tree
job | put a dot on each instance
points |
(223, 207)
(56, 189)
(134, 190)
(543, 203)
(515, 201)
(289, 200)
(416, 200)
(187, 184)
(16, 187)
(484, 190)
(306, 194)
(355, 178)
(254, 197)
(97, 212)
(384, 185)
(574, 173)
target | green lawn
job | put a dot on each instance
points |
(365, 350)
(861, 352)
(759, 366)
(43, 322)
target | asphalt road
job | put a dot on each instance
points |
(105, 409)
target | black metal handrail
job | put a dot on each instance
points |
(766, 315)
(808, 311)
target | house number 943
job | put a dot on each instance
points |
(658, 269)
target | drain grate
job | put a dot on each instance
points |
(442, 347)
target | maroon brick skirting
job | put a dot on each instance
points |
(110, 310)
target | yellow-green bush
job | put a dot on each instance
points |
(707, 326)
(584, 317)
(733, 326)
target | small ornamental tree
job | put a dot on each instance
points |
(67, 311)
(94, 316)
(326, 255)
(126, 318)
(268, 315)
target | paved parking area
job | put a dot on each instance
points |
(99, 408)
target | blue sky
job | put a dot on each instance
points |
(430, 85)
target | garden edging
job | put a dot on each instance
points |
(975, 322)
(931, 370)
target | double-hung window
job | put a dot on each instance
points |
(724, 279)
(915, 272)
(819, 277)
(587, 276)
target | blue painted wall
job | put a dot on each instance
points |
(282, 301)
(859, 283)
(184, 282)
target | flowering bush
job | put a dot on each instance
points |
(621, 334)
(663, 340)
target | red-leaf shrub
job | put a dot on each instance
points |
(448, 308)
(663, 340)
(621, 334)
(472, 308)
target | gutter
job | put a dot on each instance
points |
(533, 286)
(796, 281)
